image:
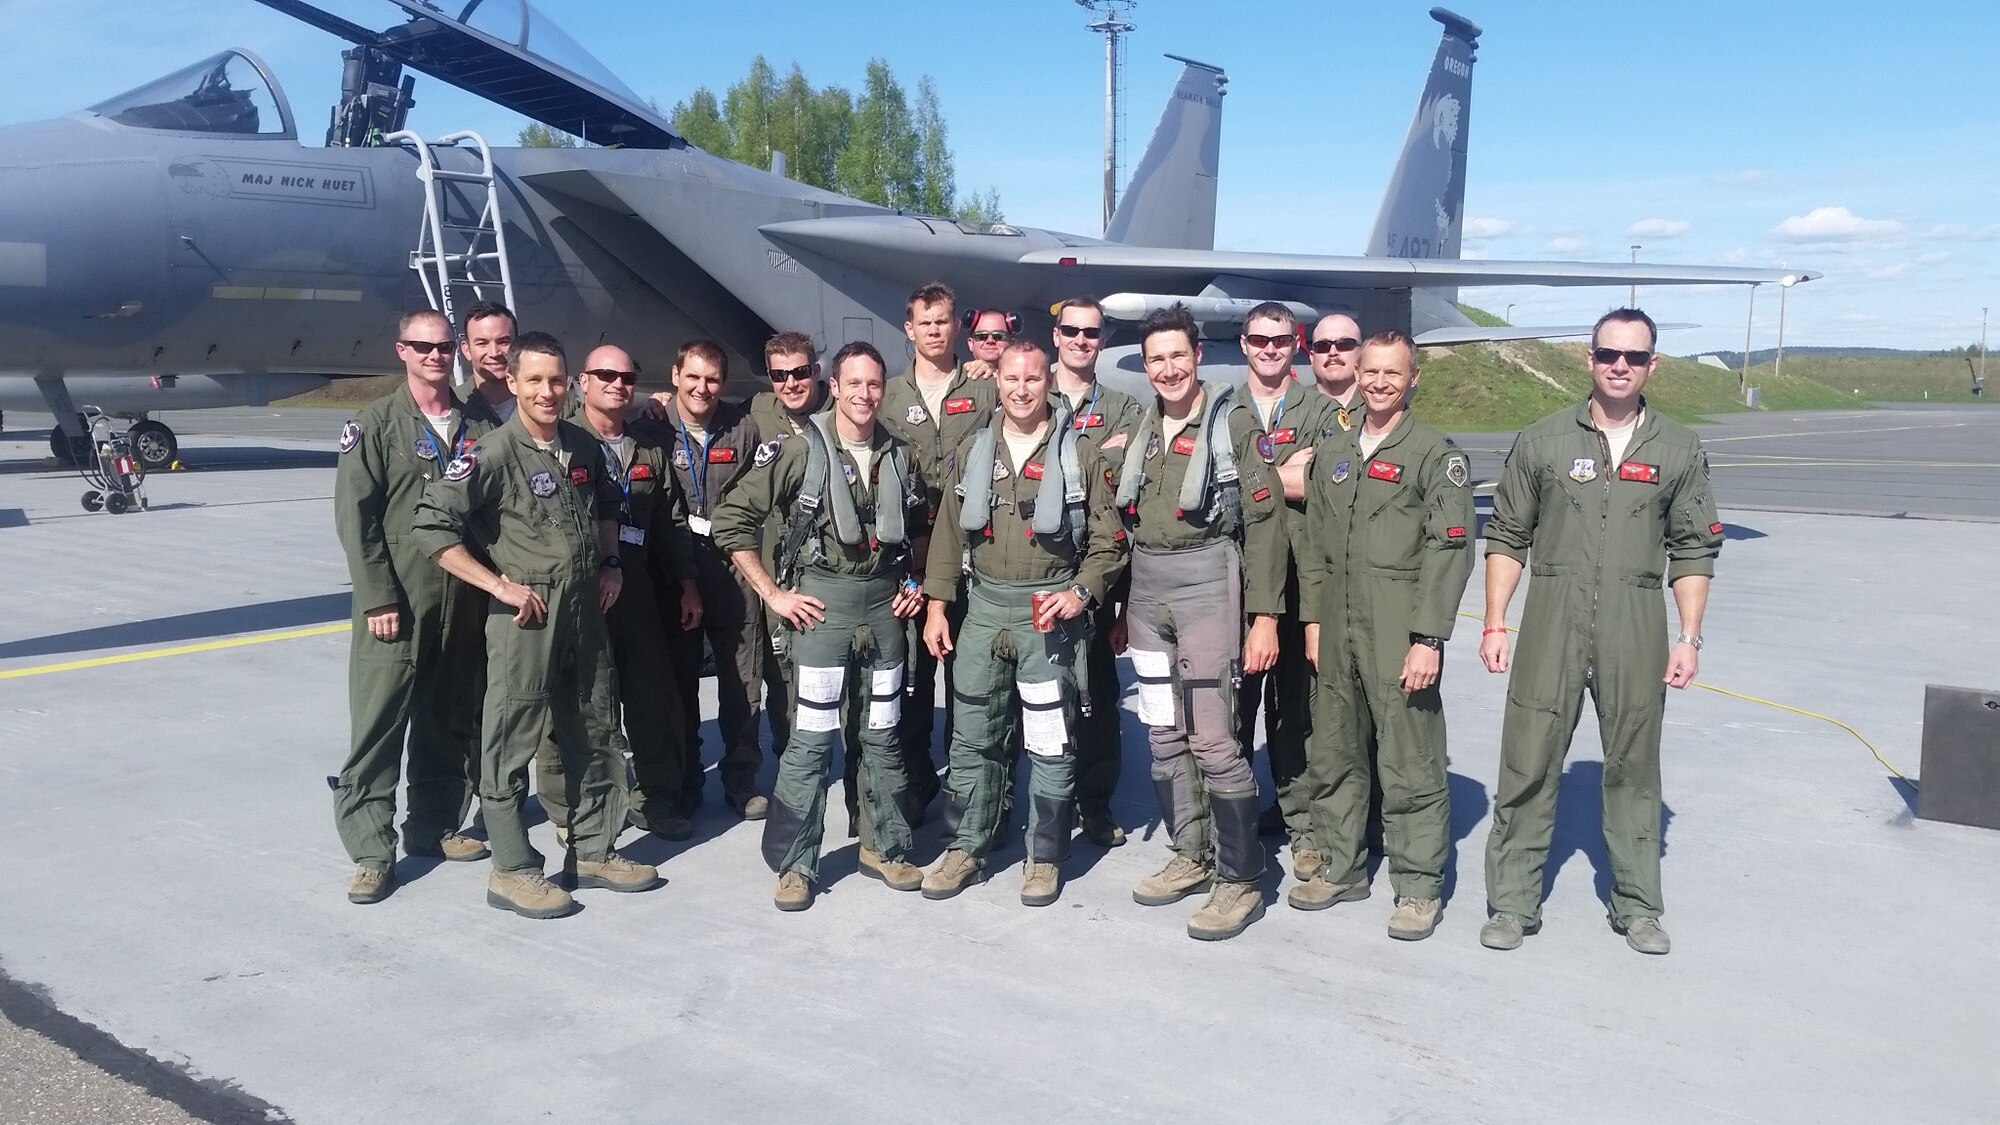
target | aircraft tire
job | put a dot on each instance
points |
(154, 445)
(74, 451)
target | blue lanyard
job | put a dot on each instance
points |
(1083, 419)
(697, 468)
(456, 439)
(1277, 413)
(623, 475)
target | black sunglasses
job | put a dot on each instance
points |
(1605, 357)
(1338, 344)
(426, 347)
(992, 337)
(610, 375)
(788, 374)
(1258, 343)
(1072, 331)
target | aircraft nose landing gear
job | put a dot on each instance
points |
(151, 442)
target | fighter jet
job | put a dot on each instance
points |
(178, 246)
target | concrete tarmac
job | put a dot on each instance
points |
(172, 695)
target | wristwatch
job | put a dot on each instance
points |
(1684, 639)
(610, 562)
(1433, 643)
(1082, 593)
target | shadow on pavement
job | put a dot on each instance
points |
(1469, 806)
(287, 614)
(1580, 827)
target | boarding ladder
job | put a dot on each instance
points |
(462, 244)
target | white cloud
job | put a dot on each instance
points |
(1836, 224)
(1932, 257)
(1566, 245)
(1478, 227)
(1658, 228)
(1959, 232)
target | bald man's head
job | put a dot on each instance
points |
(1334, 348)
(609, 376)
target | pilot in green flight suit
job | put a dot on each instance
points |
(1601, 504)
(855, 515)
(1384, 561)
(414, 666)
(932, 407)
(1030, 515)
(535, 497)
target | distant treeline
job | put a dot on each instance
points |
(1766, 355)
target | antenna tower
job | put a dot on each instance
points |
(1109, 22)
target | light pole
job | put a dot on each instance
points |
(1632, 295)
(1112, 26)
(1509, 318)
(1982, 348)
(1743, 377)
(1785, 284)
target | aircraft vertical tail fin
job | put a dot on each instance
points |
(1424, 208)
(1170, 200)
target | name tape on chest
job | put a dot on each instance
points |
(1032, 470)
(1184, 445)
(640, 471)
(1644, 474)
(580, 475)
(1088, 421)
(722, 455)
(958, 406)
(1385, 470)
(1285, 436)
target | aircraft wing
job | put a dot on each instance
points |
(1342, 272)
(1476, 334)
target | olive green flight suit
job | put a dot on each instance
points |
(774, 422)
(1000, 659)
(1100, 415)
(426, 682)
(654, 550)
(1285, 691)
(1384, 556)
(1596, 540)
(1192, 587)
(856, 656)
(934, 441)
(732, 618)
(538, 520)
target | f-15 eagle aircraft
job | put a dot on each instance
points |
(177, 246)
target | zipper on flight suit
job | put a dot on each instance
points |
(1605, 470)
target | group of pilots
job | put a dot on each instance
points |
(544, 568)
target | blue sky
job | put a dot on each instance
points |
(1853, 139)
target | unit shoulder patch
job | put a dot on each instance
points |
(350, 436)
(461, 466)
(766, 453)
(1457, 469)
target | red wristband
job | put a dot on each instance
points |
(1490, 632)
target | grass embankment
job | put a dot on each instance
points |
(342, 392)
(1504, 386)
(1913, 377)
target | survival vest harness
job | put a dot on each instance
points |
(1213, 489)
(1059, 500)
(808, 518)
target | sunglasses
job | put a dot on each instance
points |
(1605, 357)
(991, 337)
(610, 375)
(1339, 344)
(1259, 343)
(789, 374)
(1072, 331)
(426, 347)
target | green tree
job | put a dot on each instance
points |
(810, 127)
(981, 208)
(537, 135)
(880, 163)
(747, 110)
(937, 187)
(699, 120)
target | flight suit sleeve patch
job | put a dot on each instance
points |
(766, 453)
(1457, 469)
(1454, 533)
(1115, 441)
(461, 466)
(350, 436)
(1261, 495)
(1715, 529)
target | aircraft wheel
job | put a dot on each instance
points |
(93, 500)
(154, 445)
(116, 503)
(67, 450)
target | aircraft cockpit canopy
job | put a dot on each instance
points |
(228, 93)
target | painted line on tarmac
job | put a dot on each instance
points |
(1808, 463)
(1834, 433)
(176, 650)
